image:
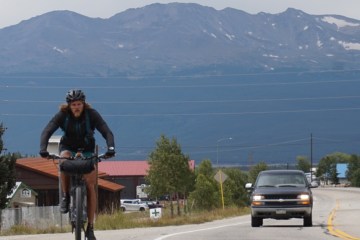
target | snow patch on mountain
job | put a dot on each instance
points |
(339, 22)
(60, 50)
(350, 46)
(229, 36)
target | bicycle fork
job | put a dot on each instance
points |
(78, 208)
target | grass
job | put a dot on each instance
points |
(22, 230)
(120, 220)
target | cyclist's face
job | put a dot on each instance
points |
(77, 108)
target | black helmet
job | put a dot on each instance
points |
(75, 95)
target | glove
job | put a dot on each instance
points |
(110, 152)
(44, 154)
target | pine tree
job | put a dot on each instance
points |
(2, 129)
(7, 173)
(169, 171)
(206, 194)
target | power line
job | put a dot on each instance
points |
(194, 76)
(233, 148)
(192, 101)
(184, 86)
(196, 114)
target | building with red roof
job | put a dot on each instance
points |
(115, 179)
(129, 174)
(42, 176)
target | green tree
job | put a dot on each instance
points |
(303, 163)
(207, 192)
(327, 166)
(169, 171)
(333, 174)
(2, 129)
(234, 187)
(7, 172)
(255, 170)
(355, 179)
(206, 195)
(351, 173)
(205, 168)
(324, 168)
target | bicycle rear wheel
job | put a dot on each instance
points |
(79, 213)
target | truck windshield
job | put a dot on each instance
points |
(280, 179)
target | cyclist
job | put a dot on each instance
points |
(78, 121)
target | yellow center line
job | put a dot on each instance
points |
(337, 232)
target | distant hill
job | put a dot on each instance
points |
(191, 72)
(179, 38)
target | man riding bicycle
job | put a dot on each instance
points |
(78, 121)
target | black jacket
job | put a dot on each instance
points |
(78, 132)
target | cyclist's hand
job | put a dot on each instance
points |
(110, 152)
(44, 154)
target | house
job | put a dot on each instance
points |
(114, 177)
(22, 196)
(53, 144)
(129, 174)
(42, 175)
(341, 169)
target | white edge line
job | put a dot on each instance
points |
(198, 230)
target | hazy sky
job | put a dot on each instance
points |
(14, 11)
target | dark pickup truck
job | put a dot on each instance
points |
(280, 194)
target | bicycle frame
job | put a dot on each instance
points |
(78, 204)
(78, 194)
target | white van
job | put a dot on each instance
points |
(133, 205)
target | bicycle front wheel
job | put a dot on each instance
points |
(79, 213)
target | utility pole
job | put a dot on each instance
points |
(217, 148)
(311, 156)
(2, 130)
(250, 159)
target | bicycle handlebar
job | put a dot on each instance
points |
(82, 157)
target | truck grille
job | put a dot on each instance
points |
(282, 196)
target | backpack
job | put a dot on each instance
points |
(87, 122)
(89, 134)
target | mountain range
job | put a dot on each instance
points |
(178, 38)
(232, 87)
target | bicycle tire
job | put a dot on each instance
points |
(79, 212)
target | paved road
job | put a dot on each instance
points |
(344, 219)
(336, 215)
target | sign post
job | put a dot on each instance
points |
(221, 177)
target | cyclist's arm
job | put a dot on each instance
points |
(104, 129)
(49, 129)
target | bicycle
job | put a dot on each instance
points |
(76, 167)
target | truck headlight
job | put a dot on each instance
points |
(304, 199)
(258, 197)
(256, 200)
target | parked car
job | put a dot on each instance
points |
(133, 205)
(153, 204)
(280, 194)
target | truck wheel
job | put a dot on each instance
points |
(256, 221)
(308, 221)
